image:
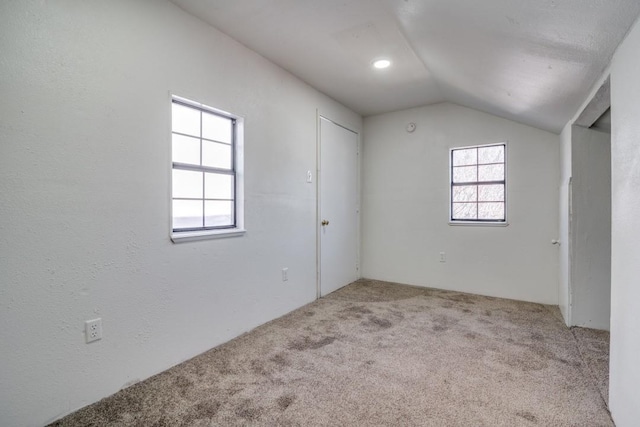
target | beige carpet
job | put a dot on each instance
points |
(376, 353)
(594, 349)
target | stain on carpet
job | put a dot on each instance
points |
(443, 323)
(281, 360)
(248, 411)
(460, 298)
(379, 322)
(285, 401)
(307, 343)
(537, 336)
(183, 384)
(204, 410)
(523, 361)
(358, 309)
(258, 368)
(528, 416)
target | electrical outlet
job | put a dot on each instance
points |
(93, 330)
(285, 274)
(443, 257)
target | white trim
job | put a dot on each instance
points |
(190, 236)
(318, 201)
(480, 223)
(197, 104)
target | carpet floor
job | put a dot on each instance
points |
(383, 354)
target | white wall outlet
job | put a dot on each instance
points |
(93, 330)
(443, 257)
(285, 274)
(309, 177)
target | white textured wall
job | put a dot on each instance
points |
(591, 228)
(624, 399)
(84, 198)
(564, 299)
(406, 197)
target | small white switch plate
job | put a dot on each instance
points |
(93, 330)
(309, 177)
(443, 257)
(285, 274)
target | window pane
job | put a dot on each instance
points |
(216, 155)
(467, 193)
(491, 173)
(187, 184)
(494, 154)
(187, 214)
(465, 157)
(491, 193)
(218, 214)
(218, 186)
(490, 210)
(185, 120)
(216, 127)
(185, 149)
(465, 174)
(464, 211)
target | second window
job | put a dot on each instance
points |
(478, 184)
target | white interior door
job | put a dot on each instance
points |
(338, 206)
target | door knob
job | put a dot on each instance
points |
(325, 222)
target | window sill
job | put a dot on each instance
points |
(479, 223)
(190, 236)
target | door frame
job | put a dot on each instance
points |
(320, 116)
(595, 106)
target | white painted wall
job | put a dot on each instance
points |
(406, 199)
(84, 198)
(564, 297)
(591, 228)
(624, 380)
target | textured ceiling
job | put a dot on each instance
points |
(532, 61)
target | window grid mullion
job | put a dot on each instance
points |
(207, 169)
(202, 138)
(471, 183)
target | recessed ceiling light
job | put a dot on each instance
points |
(381, 63)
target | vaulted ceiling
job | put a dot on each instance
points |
(531, 61)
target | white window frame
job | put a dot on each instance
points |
(238, 172)
(481, 223)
